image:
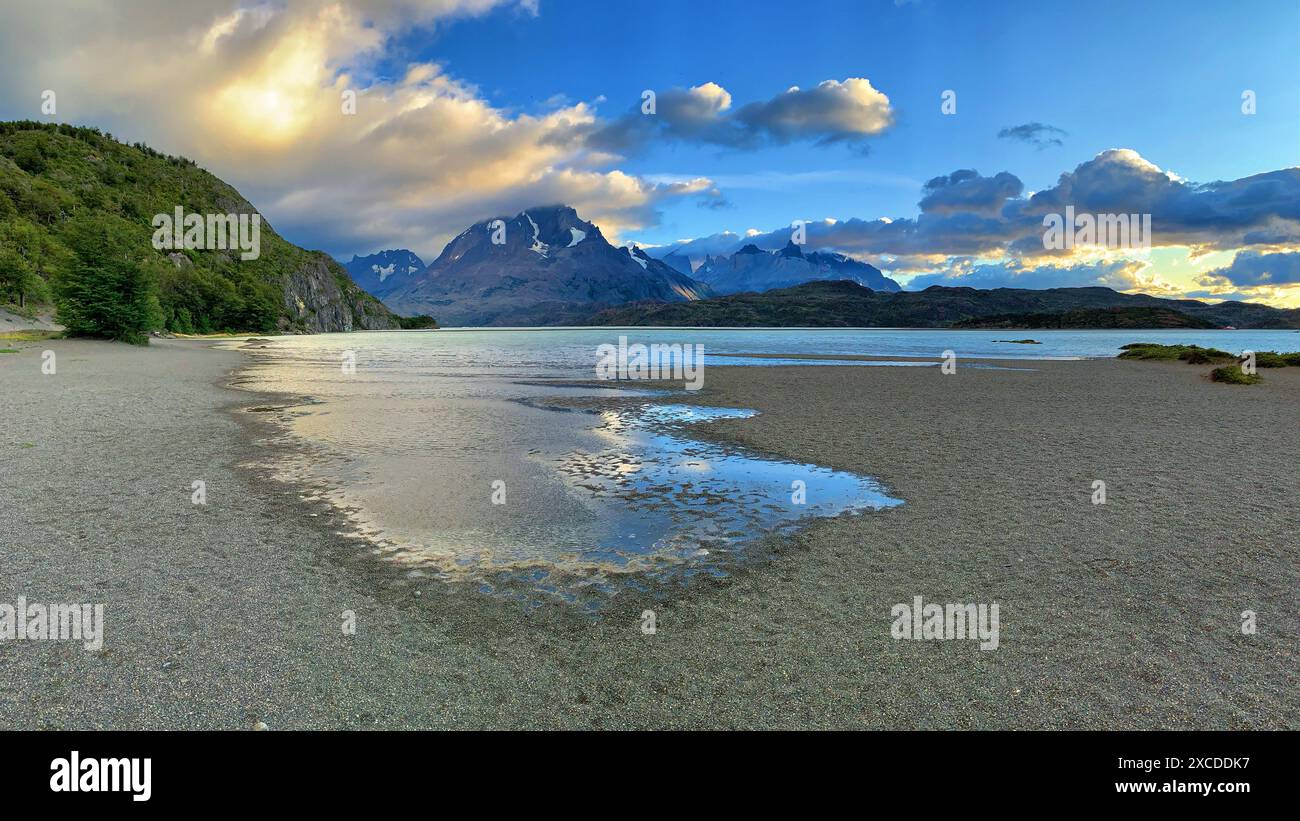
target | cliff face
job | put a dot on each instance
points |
(319, 297)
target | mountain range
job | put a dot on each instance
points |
(543, 266)
(753, 269)
(547, 266)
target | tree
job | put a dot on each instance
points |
(29, 157)
(20, 253)
(108, 291)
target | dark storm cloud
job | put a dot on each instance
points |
(1252, 269)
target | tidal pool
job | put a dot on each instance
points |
(665, 496)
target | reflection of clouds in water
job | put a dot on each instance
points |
(685, 494)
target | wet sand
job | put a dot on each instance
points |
(1123, 615)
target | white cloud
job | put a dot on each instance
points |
(254, 93)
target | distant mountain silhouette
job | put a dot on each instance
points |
(848, 304)
(753, 269)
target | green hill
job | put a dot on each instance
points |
(76, 214)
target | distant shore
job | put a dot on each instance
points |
(1114, 616)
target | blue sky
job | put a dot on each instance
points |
(469, 109)
(1164, 78)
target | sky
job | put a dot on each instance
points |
(765, 113)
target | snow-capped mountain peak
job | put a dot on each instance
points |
(383, 270)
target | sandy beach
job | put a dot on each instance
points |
(1125, 615)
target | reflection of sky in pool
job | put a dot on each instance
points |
(686, 500)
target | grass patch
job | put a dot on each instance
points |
(1196, 355)
(1233, 375)
(8, 350)
(1188, 353)
(29, 335)
(1271, 359)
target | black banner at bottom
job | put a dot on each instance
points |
(143, 771)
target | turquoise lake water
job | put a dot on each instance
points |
(570, 352)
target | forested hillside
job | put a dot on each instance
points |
(76, 208)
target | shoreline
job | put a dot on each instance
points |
(1124, 616)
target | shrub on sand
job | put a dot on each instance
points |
(1188, 353)
(1269, 359)
(1233, 375)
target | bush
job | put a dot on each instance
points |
(416, 323)
(1188, 353)
(1233, 375)
(1269, 359)
(30, 158)
(1203, 354)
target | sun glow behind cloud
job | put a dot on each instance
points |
(255, 94)
(282, 92)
